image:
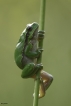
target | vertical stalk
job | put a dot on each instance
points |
(40, 45)
(42, 15)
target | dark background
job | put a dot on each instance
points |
(14, 15)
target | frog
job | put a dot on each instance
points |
(26, 54)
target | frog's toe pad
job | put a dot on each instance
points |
(38, 96)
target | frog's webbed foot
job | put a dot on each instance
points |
(38, 67)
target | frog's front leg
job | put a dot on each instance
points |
(30, 69)
(30, 53)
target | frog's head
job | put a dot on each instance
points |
(32, 30)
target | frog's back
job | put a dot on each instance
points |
(18, 51)
(18, 54)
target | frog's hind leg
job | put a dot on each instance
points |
(47, 79)
(28, 70)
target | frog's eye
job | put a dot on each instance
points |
(29, 28)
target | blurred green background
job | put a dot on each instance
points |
(14, 15)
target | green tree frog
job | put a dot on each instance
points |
(26, 54)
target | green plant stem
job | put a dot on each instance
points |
(42, 15)
(40, 45)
